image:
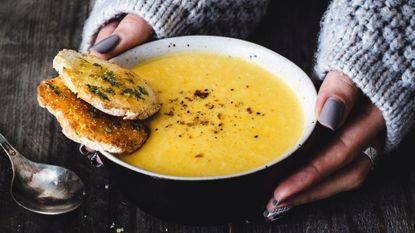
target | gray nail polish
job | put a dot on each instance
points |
(332, 113)
(107, 44)
(277, 213)
(275, 202)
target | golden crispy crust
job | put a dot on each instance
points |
(84, 124)
(106, 86)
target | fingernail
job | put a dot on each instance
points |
(332, 113)
(275, 202)
(107, 44)
(83, 150)
(95, 159)
(277, 213)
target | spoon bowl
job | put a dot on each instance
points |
(42, 188)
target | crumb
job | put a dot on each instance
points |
(199, 155)
(112, 225)
(119, 230)
(170, 113)
(201, 94)
(106, 186)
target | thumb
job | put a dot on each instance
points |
(132, 30)
(336, 98)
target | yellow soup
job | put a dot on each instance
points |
(220, 115)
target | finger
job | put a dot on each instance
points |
(84, 150)
(350, 141)
(348, 178)
(335, 99)
(106, 31)
(131, 31)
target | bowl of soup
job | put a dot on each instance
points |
(234, 120)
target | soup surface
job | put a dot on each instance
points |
(220, 115)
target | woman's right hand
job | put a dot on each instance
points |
(120, 35)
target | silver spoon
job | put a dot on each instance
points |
(42, 188)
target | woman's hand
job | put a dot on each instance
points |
(340, 165)
(120, 35)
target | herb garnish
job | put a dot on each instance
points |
(92, 113)
(107, 130)
(108, 76)
(137, 125)
(109, 90)
(142, 90)
(131, 92)
(94, 89)
(54, 88)
(97, 65)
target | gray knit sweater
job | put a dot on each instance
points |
(372, 41)
(235, 18)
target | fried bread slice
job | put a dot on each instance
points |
(84, 124)
(106, 86)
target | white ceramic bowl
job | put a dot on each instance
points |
(214, 199)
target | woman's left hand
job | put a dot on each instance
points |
(340, 165)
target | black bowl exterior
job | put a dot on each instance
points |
(206, 201)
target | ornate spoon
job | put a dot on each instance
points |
(42, 188)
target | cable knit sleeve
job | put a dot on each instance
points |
(373, 42)
(168, 18)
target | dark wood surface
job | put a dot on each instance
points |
(32, 32)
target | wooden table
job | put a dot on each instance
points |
(32, 32)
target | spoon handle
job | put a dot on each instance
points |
(9, 149)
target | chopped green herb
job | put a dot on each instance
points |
(84, 60)
(142, 90)
(54, 88)
(107, 130)
(137, 125)
(92, 113)
(94, 89)
(131, 92)
(130, 77)
(108, 76)
(109, 90)
(97, 65)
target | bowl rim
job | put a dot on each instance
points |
(304, 136)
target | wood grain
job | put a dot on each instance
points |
(31, 33)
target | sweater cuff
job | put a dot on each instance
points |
(166, 17)
(378, 60)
